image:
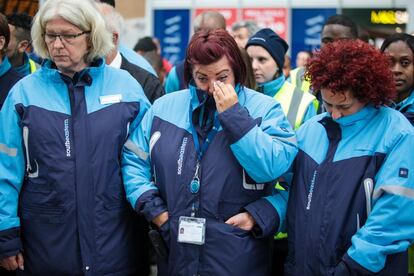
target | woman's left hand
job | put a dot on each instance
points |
(224, 95)
(243, 220)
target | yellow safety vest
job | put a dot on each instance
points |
(294, 103)
(33, 66)
(297, 78)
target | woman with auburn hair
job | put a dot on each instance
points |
(350, 205)
(202, 166)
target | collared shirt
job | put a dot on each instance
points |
(116, 63)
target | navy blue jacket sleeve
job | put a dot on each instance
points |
(266, 218)
(10, 243)
(348, 267)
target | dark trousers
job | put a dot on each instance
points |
(280, 252)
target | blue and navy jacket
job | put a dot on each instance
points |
(8, 77)
(62, 200)
(175, 79)
(351, 201)
(28, 66)
(253, 146)
(406, 107)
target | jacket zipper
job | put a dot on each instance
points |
(26, 146)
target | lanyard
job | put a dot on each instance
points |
(195, 183)
(210, 136)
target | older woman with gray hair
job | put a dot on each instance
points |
(63, 210)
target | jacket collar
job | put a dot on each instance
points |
(406, 103)
(4, 66)
(272, 87)
(49, 68)
(363, 115)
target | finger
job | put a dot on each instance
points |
(231, 221)
(225, 87)
(11, 263)
(218, 98)
(218, 85)
(20, 261)
(230, 89)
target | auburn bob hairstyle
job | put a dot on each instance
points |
(356, 66)
(207, 47)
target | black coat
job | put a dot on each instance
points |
(151, 85)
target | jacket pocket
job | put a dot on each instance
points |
(52, 213)
(234, 230)
(39, 201)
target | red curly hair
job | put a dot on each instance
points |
(356, 66)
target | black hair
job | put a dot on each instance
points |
(20, 20)
(23, 23)
(145, 44)
(109, 2)
(340, 19)
(408, 39)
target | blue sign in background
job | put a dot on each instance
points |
(306, 29)
(172, 28)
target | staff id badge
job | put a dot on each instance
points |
(191, 230)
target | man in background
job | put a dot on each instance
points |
(151, 85)
(20, 40)
(243, 30)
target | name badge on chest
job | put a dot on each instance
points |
(191, 230)
(110, 99)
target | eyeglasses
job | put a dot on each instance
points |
(64, 38)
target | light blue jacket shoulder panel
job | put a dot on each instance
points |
(377, 135)
(46, 88)
(166, 108)
(172, 82)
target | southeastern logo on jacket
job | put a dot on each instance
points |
(67, 137)
(181, 157)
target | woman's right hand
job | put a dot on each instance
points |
(13, 262)
(160, 219)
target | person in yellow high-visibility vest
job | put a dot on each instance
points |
(336, 27)
(267, 52)
(297, 78)
(20, 41)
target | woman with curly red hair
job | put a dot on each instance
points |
(351, 201)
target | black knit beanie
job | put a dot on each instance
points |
(274, 44)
